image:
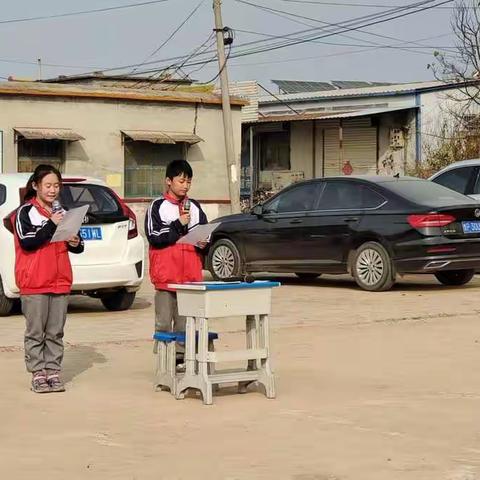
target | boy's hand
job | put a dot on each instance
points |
(74, 241)
(202, 245)
(185, 219)
(57, 217)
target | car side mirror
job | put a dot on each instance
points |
(257, 210)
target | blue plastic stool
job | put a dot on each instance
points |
(165, 351)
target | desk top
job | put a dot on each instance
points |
(205, 286)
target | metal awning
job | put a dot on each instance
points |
(49, 134)
(153, 136)
(328, 115)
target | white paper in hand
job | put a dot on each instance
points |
(200, 233)
(70, 224)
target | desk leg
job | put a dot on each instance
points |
(251, 343)
(183, 383)
(266, 374)
(204, 381)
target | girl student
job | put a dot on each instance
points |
(44, 276)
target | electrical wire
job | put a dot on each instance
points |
(342, 4)
(304, 36)
(287, 15)
(82, 12)
(170, 37)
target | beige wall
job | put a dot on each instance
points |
(301, 148)
(101, 122)
(396, 160)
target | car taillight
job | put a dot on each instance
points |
(430, 220)
(132, 221)
(132, 218)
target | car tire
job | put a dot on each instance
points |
(118, 301)
(6, 304)
(372, 268)
(224, 260)
(455, 277)
(307, 276)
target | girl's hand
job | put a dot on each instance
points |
(202, 245)
(185, 219)
(74, 242)
(57, 217)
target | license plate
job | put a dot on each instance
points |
(471, 227)
(91, 233)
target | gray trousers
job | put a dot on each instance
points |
(45, 320)
(167, 318)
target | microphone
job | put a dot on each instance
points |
(57, 207)
(186, 206)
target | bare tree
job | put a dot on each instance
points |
(463, 66)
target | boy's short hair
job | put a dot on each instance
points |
(177, 168)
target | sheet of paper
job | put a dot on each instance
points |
(199, 234)
(70, 225)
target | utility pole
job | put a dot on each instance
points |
(227, 112)
(39, 63)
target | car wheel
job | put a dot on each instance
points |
(224, 260)
(307, 276)
(455, 277)
(372, 268)
(6, 304)
(118, 301)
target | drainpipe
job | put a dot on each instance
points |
(418, 130)
(314, 149)
(251, 165)
(1, 152)
(340, 140)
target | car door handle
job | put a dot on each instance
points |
(351, 220)
(297, 220)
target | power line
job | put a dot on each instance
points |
(374, 45)
(279, 99)
(307, 39)
(189, 16)
(82, 12)
(177, 66)
(315, 57)
(312, 34)
(123, 67)
(58, 65)
(342, 4)
(282, 13)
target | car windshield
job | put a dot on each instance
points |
(100, 199)
(424, 192)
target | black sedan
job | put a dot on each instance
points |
(371, 227)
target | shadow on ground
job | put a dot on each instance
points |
(78, 359)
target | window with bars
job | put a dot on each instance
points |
(32, 153)
(146, 165)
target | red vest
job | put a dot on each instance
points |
(46, 269)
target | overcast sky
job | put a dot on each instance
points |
(128, 36)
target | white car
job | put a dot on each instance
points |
(463, 177)
(110, 268)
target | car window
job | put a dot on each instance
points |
(101, 199)
(457, 179)
(476, 187)
(349, 195)
(301, 198)
(3, 194)
(424, 192)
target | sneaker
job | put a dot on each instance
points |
(39, 383)
(53, 379)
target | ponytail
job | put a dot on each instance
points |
(40, 172)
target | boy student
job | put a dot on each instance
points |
(168, 219)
